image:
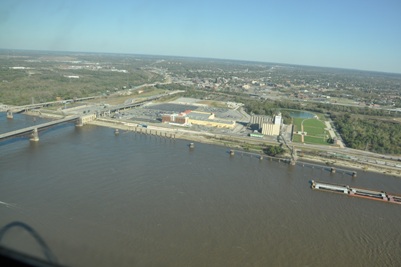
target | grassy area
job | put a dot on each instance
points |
(314, 127)
(321, 116)
(313, 123)
(342, 100)
(296, 138)
(315, 140)
(297, 124)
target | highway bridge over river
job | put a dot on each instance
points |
(33, 130)
(80, 119)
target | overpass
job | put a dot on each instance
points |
(19, 109)
(139, 103)
(33, 130)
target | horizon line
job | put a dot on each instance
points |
(200, 57)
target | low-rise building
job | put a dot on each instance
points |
(175, 118)
(197, 118)
(209, 120)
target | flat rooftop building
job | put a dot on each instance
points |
(198, 118)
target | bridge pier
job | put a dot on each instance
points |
(79, 122)
(85, 119)
(10, 114)
(34, 135)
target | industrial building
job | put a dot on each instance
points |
(189, 117)
(272, 128)
(257, 121)
(175, 118)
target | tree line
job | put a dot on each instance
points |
(266, 107)
(374, 135)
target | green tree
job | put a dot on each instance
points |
(273, 150)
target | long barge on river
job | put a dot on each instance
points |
(356, 192)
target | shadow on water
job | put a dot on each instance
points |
(48, 254)
(14, 140)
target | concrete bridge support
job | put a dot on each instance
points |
(85, 119)
(10, 114)
(34, 135)
(79, 122)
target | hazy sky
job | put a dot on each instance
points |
(357, 34)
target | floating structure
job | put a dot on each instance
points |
(356, 192)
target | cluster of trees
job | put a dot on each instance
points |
(266, 107)
(259, 107)
(195, 93)
(326, 108)
(273, 150)
(269, 107)
(379, 136)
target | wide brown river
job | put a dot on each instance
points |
(137, 200)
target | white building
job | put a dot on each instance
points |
(269, 128)
(272, 128)
(277, 119)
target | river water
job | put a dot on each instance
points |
(137, 200)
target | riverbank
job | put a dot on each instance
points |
(353, 165)
(172, 133)
(221, 140)
(238, 143)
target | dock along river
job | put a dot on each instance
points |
(100, 199)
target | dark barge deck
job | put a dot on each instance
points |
(357, 192)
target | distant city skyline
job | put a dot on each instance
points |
(353, 34)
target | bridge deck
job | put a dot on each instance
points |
(38, 126)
